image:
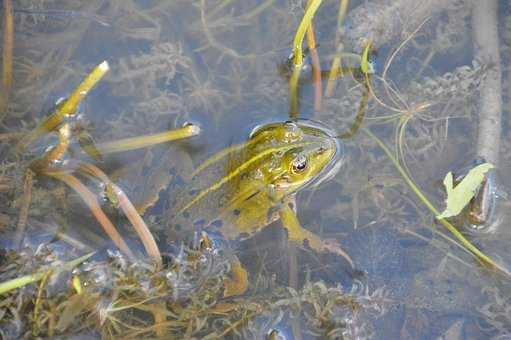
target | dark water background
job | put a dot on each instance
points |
(224, 71)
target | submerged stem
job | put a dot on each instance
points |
(67, 108)
(134, 143)
(8, 41)
(129, 210)
(90, 200)
(302, 29)
(23, 210)
(316, 66)
(19, 282)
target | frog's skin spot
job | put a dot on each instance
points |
(236, 212)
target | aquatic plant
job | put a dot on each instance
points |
(216, 62)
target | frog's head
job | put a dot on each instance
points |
(300, 153)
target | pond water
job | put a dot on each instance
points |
(383, 267)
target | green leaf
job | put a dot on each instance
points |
(458, 197)
(364, 63)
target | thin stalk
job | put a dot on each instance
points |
(298, 56)
(316, 66)
(359, 118)
(292, 255)
(25, 205)
(293, 92)
(336, 63)
(474, 250)
(90, 200)
(19, 282)
(8, 41)
(300, 32)
(67, 108)
(134, 143)
(10, 136)
(316, 69)
(129, 210)
(56, 153)
(38, 300)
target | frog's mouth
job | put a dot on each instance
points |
(336, 162)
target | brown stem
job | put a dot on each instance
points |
(316, 68)
(8, 136)
(91, 201)
(129, 210)
(25, 205)
(56, 153)
(7, 46)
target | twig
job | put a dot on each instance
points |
(129, 210)
(25, 205)
(8, 136)
(292, 254)
(486, 47)
(7, 47)
(37, 304)
(91, 201)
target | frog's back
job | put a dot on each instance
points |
(239, 192)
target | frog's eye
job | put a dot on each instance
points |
(299, 164)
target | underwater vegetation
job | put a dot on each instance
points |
(229, 170)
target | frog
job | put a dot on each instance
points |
(242, 189)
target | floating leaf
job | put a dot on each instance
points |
(458, 197)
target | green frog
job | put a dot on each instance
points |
(245, 187)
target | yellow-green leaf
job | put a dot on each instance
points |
(458, 197)
(364, 63)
